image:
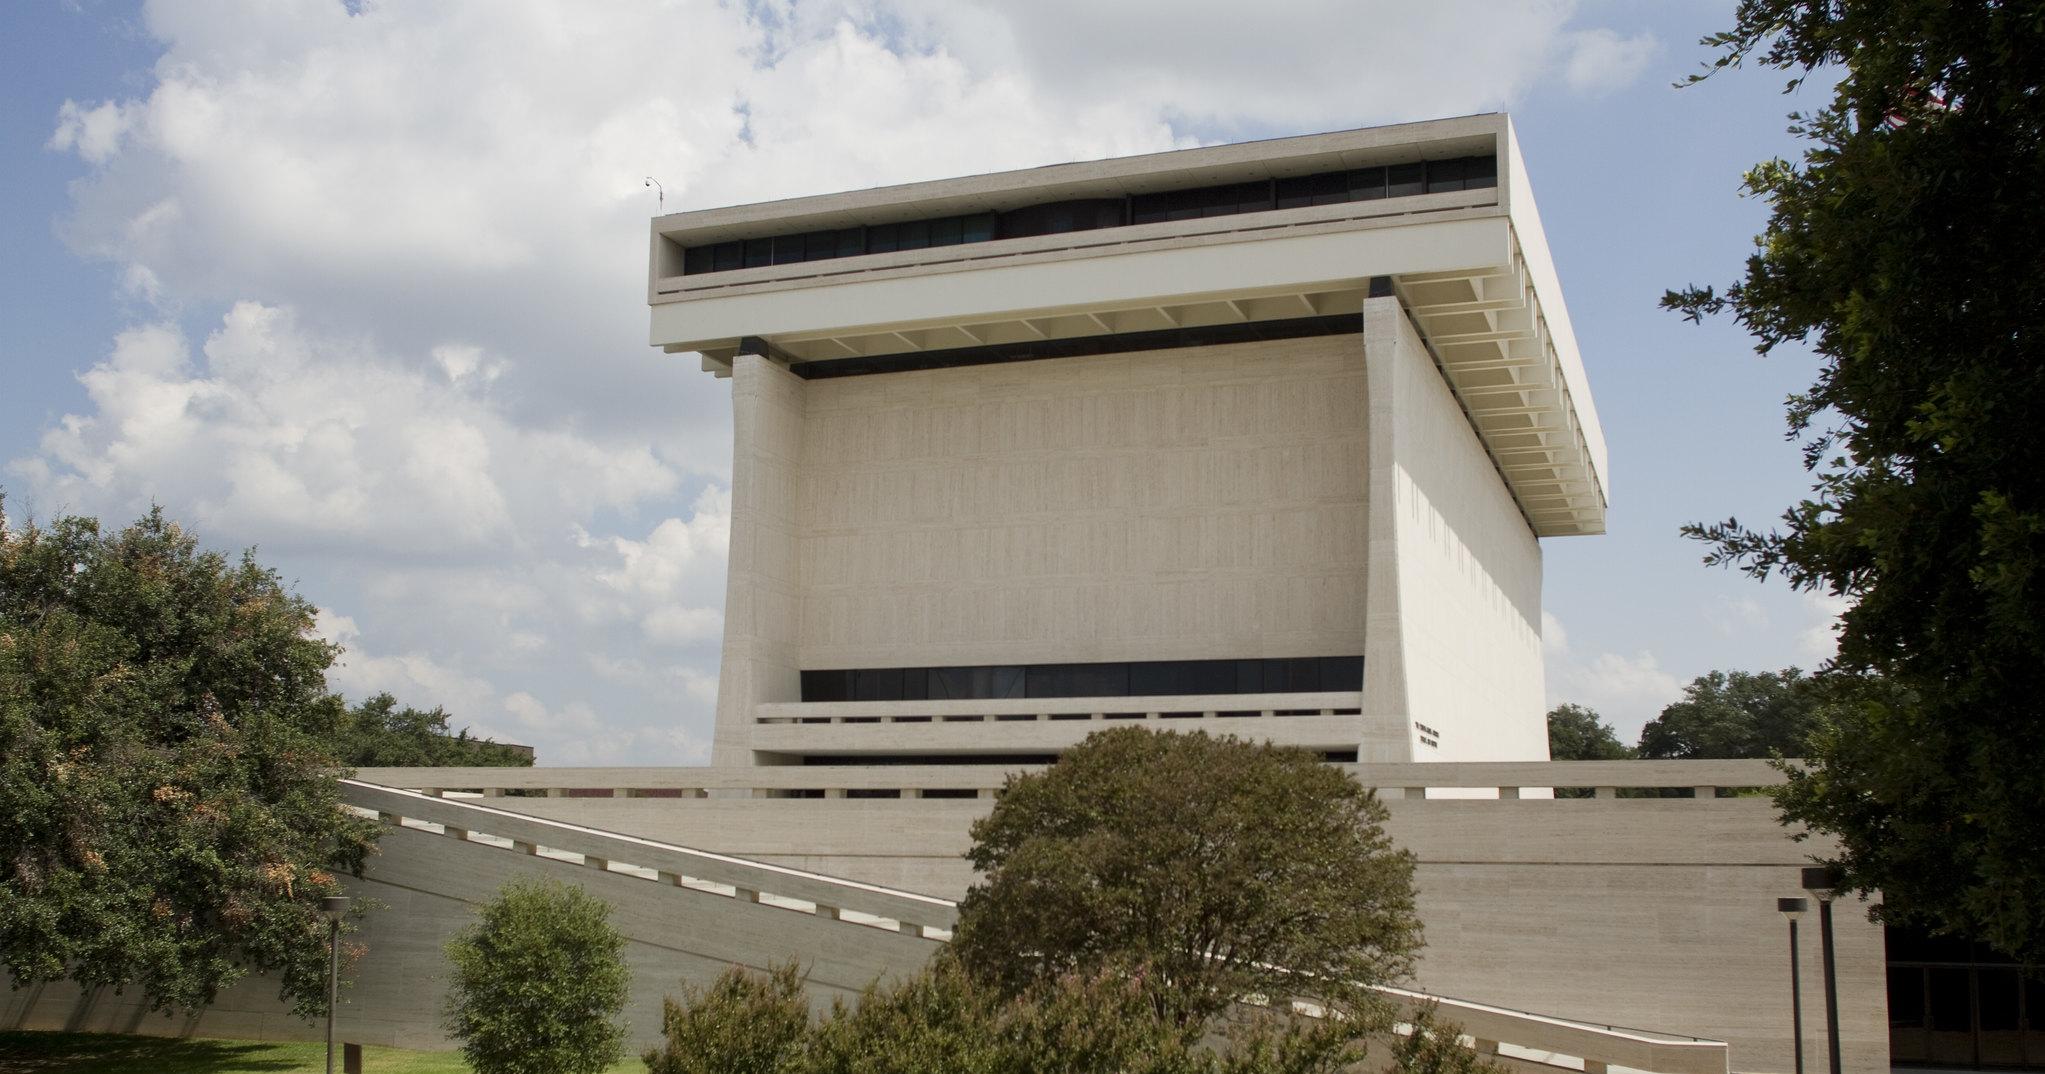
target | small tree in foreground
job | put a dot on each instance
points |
(539, 983)
(1216, 868)
(744, 1023)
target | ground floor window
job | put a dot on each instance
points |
(1953, 1003)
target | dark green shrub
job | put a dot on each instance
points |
(539, 983)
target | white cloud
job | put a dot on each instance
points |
(680, 626)
(93, 133)
(1601, 61)
(1819, 640)
(676, 548)
(292, 439)
(1298, 64)
(1554, 638)
(1736, 616)
(1626, 689)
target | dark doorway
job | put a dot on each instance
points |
(1955, 1003)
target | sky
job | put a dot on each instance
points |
(362, 285)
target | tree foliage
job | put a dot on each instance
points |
(539, 983)
(1735, 714)
(1576, 733)
(169, 824)
(946, 1019)
(1214, 867)
(381, 733)
(1903, 250)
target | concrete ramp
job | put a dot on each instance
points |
(687, 916)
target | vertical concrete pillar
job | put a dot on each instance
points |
(762, 599)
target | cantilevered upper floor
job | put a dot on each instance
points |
(1236, 242)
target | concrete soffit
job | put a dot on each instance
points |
(1484, 328)
(1488, 337)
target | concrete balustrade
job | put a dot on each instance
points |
(1402, 781)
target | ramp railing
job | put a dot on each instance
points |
(867, 905)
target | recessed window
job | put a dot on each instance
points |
(1405, 180)
(1092, 214)
(1142, 678)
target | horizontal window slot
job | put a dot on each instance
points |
(1142, 678)
(1096, 214)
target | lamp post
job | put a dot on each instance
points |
(333, 908)
(1793, 909)
(1823, 883)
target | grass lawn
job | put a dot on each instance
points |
(100, 1053)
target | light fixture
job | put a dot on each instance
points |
(1824, 882)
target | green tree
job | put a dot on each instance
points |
(943, 1018)
(1576, 733)
(380, 733)
(1734, 714)
(169, 821)
(1202, 863)
(539, 983)
(1902, 248)
(744, 1023)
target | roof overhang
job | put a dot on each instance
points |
(1471, 268)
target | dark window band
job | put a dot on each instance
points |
(1093, 214)
(1147, 678)
(1037, 349)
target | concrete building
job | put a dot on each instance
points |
(1261, 439)
(1189, 433)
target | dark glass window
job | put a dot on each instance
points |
(1997, 990)
(1404, 180)
(1444, 175)
(1906, 997)
(1301, 675)
(1291, 192)
(1062, 216)
(877, 684)
(1142, 678)
(1952, 998)
(1341, 673)
(954, 684)
(827, 686)
(1480, 173)
(1328, 188)
(1366, 184)
(1076, 680)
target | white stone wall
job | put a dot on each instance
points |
(762, 596)
(1455, 615)
(1179, 504)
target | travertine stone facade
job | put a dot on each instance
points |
(1156, 505)
(1455, 616)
